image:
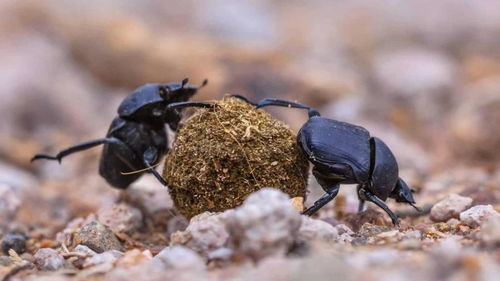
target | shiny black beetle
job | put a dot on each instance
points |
(342, 153)
(137, 137)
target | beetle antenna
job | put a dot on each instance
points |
(416, 208)
(184, 82)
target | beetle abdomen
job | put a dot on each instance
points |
(117, 159)
(328, 142)
(385, 173)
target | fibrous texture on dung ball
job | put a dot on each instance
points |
(221, 155)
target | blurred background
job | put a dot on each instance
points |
(422, 75)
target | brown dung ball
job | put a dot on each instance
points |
(222, 155)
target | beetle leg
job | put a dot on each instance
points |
(244, 99)
(73, 149)
(191, 104)
(373, 198)
(277, 102)
(362, 201)
(149, 157)
(322, 201)
(361, 205)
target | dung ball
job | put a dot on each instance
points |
(223, 154)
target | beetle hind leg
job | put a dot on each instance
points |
(73, 149)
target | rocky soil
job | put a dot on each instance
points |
(422, 75)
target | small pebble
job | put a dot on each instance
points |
(82, 249)
(97, 237)
(179, 257)
(443, 227)
(108, 257)
(47, 259)
(490, 231)
(474, 216)
(453, 223)
(415, 234)
(9, 202)
(450, 207)
(206, 232)
(342, 228)
(313, 229)
(221, 254)
(134, 257)
(345, 238)
(120, 217)
(14, 241)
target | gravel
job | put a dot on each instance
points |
(98, 237)
(206, 232)
(450, 207)
(490, 231)
(14, 241)
(313, 229)
(179, 257)
(474, 216)
(47, 259)
(120, 217)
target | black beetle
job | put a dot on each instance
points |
(343, 153)
(137, 137)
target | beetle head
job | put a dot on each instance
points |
(178, 92)
(148, 103)
(403, 194)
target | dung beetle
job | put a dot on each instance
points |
(137, 137)
(343, 153)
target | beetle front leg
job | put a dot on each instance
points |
(322, 201)
(183, 104)
(330, 187)
(149, 156)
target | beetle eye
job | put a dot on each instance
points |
(163, 91)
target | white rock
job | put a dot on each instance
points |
(474, 216)
(150, 195)
(108, 257)
(450, 207)
(490, 231)
(179, 257)
(82, 249)
(313, 229)
(9, 203)
(415, 234)
(221, 254)
(47, 259)
(264, 225)
(205, 233)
